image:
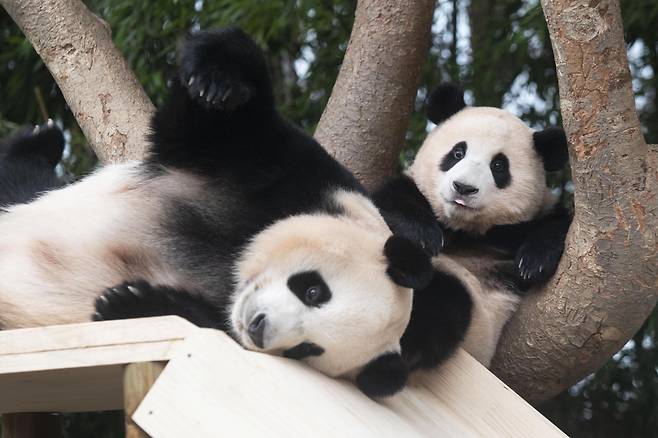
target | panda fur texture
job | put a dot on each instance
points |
(237, 220)
(476, 198)
(27, 163)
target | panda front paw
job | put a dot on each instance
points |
(537, 262)
(223, 69)
(430, 237)
(125, 301)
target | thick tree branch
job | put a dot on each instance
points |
(364, 123)
(107, 100)
(607, 283)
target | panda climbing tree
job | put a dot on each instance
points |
(598, 297)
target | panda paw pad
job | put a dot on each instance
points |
(535, 265)
(122, 301)
(215, 89)
(221, 68)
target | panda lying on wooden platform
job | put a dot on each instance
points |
(477, 194)
(237, 220)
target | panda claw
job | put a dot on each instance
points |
(50, 123)
(134, 290)
(190, 81)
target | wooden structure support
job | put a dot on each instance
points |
(175, 379)
(137, 381)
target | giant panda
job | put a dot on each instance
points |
(476, 198)
(27, 163)
(237, 220)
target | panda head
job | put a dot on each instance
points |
(483, 166)
(338, 296)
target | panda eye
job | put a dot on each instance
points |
(313, 294)
(458, 153)
(498, 166)
(309, 287)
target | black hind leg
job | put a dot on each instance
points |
(440, 316)
(140, 299)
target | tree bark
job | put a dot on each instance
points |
(100, 88)
(607, 283)
(367, 115)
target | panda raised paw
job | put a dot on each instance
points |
(222, 69)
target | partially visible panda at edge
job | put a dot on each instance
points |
(476, 197)
(27, 163)
(237, 220)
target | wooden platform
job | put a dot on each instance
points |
(212, 387)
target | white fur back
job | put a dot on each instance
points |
(60, 251)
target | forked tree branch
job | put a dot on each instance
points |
(607, 283)
(365, 121)
(100, 88)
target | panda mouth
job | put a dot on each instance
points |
(460, 203)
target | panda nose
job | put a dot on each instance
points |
(464, 189)
(256, 329)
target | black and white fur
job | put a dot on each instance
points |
(476, 198)
(237, 220)
(27, 163)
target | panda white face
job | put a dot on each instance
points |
(479, 168)
(315, 288)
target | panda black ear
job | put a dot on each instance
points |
(383, 376)
(445, 101)
(551, 145)
(408, 264)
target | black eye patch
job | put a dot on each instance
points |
(455, 155)
(303, 350)
(310, 288)
(500, 170)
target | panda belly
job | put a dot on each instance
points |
(60, 251)
(493, 300)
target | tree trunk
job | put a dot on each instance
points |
(100, 88)
(607, 283)
(367, 115)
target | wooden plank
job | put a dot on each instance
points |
(211, 384)
(137, 381)
(93, 334)
(466, 390)
(212, 381)
(78, 367)
(87, 357)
